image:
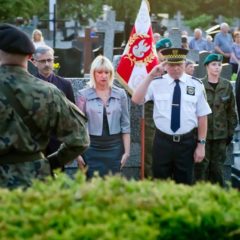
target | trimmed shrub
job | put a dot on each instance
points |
(116, 208)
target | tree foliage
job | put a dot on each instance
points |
(200, 21)
(10, 10)
(80, 10)
(126, 10)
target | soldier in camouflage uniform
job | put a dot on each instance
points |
(31, 110)
(221, 123)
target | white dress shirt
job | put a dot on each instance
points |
(193, 102)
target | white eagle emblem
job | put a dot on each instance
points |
(140, 49)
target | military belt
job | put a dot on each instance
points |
(178, 138)
(18, 157)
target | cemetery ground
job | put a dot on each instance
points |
(116, 208)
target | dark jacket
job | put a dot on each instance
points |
(66, 87)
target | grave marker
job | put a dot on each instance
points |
(70, 61)
(87, 42)
(109, 26)
(175, 37)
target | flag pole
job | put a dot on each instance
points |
(142, 143)
(138, 58)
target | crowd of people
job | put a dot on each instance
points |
(43, 127)
(222, 42)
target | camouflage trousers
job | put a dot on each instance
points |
(22, 174)
(149, 136)
(212, 167)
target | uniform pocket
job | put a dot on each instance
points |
(162, 102)
(189, 103)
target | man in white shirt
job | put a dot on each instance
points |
(180, 115)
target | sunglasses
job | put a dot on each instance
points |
(49, 60)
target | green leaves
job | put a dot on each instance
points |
(116, 208)
(10, 10)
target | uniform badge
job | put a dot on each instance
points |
(190, 90)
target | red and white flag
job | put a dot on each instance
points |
(139, 56)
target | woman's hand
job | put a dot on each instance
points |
(124, 159)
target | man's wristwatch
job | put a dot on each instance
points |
(202, 141)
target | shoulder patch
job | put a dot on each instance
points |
(200, 81)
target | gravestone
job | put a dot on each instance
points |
(132, 167)
(236, 23)
(200, 69)
(235, 166)
(87, 45)
(109, 26)
(35, 22)
(175, 37)
(178, 18)
(235, 163)
(193, 55)
(70, 61)
(226, 71)
(219, 19)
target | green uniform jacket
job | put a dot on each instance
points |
(223, 119)
(49, 109)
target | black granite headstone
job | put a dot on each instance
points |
(70, 61)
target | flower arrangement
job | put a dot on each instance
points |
(56, 67)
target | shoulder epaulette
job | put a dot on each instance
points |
(197, 79)
(158, 77)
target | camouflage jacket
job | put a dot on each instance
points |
(223, 119)
(48, 108)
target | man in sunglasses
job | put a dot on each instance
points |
(44, 62)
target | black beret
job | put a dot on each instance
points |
(13, 40)
(175, 55)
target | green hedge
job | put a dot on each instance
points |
(119, 209)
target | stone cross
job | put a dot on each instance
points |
(35, 21)
(178, 17)
(219, 19)
(87, 41)
(109, 26)
(236, 22)
(175, 37)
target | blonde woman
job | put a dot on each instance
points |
(106, 108)
(37, 38)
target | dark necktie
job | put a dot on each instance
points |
(176, 102)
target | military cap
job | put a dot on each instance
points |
(163, 43)
(213, 57)
(13, 40)
(175, 55)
